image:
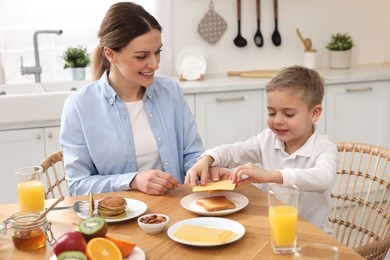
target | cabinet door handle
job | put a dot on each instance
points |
(39, 136)
(230, 99)
(359, 89)
(49, 135)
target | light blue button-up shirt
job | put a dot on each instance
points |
(97, 138)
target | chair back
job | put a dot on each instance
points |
(54, 176)
(361, 197)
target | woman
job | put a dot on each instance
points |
(128, 129)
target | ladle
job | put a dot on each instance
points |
(276, 38)
(258, 36)
(306, 42)
(49, 208)
(239, 41)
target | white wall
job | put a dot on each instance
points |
(368, 22)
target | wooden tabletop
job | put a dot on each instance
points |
(253, 245)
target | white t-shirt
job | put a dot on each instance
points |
(146, 149)
(312, 168)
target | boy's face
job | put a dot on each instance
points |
(290, 118)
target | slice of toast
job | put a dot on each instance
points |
(215, 203)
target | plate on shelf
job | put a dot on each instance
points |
(191, 64)
(208, 222)
(137, 254)
(134, 209)
(189, 203)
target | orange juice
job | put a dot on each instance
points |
(283, 225)
(31, 195)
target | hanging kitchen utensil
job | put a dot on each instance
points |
(258, 36)
(212, 25)
(239, 41)
(276, 38)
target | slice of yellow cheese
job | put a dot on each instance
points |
(199, 234)
(217, 185)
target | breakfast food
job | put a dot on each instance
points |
(215, 186)
(112, 207)
(125, 246)
(153, 219)
(200, 234)
(72, 255)
(102, 248)
(70, 241)
(93, 227)
(215, 203)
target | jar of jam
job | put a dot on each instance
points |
(27, 233)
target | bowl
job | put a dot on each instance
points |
(153, 223)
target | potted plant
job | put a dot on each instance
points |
(76, 58)
(340, 51)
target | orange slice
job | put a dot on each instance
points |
(100, 248)
(126, 247)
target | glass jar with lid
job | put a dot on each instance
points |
(27, 233)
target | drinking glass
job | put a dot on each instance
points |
(30, 188)
(283, 217)
(316, 251)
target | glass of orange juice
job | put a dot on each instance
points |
(283, 217)
(30, 188)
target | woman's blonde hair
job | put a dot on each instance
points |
(123, 22)
(302, 82)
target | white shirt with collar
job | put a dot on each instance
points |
(312, 168)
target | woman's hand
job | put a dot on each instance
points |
(154, 182)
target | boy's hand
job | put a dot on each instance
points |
(255, 174)
(199, 169)
(218, 173)
(202, 170)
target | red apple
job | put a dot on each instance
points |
(71, 241)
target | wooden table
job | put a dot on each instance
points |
(254, 245)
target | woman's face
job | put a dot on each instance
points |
(136, 63)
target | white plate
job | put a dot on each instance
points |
(189, 203)
(208, 222)
(134, 209)
(137, 254)
(191, 64)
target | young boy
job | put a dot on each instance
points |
(291, 151)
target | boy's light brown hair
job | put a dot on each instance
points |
(302, 82)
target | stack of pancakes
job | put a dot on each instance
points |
(112, 207)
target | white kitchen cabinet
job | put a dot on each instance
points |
(23, 147)
(227, 117)
(359, 112)
(190, 98)
(52, 139)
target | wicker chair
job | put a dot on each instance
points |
(54, 176)
(360, 215)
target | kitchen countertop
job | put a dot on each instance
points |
(216, 82)
(39, 115)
